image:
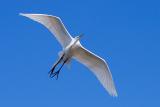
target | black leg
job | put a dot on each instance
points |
(54, 66)
(57, 73)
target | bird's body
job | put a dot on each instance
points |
(72, 49)
(68, 52)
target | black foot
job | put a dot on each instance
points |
(54, 74)
(51, 71)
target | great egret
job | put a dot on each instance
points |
(72, 48)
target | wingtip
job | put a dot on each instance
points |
(21, 14)
(113, 93)
(25, 14)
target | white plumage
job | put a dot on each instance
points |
(73, 49)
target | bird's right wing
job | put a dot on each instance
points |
(98, 66)
(54, 24)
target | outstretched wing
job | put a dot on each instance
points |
(55, 25)
(98, 66)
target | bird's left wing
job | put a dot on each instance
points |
(98, 66)
(54, 24)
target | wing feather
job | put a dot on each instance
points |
(55, 25)
(98, 66)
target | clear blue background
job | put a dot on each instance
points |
(125, 33)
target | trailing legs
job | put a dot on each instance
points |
(54, 66)
(52, 73)
(57, 72)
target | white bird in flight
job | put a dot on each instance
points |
(72, 48)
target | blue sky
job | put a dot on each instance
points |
(125, 33)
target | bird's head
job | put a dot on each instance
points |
(79, 37)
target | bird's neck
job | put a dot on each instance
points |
(75, 41)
